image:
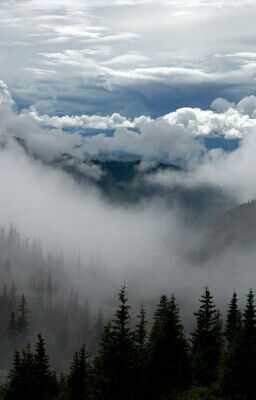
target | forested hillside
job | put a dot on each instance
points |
(159, 362)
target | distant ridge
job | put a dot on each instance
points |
(233, 229)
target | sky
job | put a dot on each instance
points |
(124, 56)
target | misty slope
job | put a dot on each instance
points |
(235, 228)
(128, 182)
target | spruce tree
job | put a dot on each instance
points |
(45, 380)
(206, 342)
(115, 364)
(104, 370)
(22, 323)
(140, 342)
(168, 361)
(248, 350)
(78, 378)
(233, 323)
(140, 334)
(230, 376)
(13, 385)
(21, 383)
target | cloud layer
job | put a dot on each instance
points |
(180, 137)
(175, 137)
(132, 242)
(89, 57)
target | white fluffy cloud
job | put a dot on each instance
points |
(171, 138)
(229, 120)
(156, 139)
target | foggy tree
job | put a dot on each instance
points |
(22, 323)
(230, 375)
(45, 380)
(131, 364)
(78, 381)
(115, 363)
(234, 322)
(21, 383)
(206, 342)
(140, 343)
(168, 351)
(247, 369)
(12, 327)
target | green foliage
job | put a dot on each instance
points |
(140, 344)
(168, 362)
(206, 342)
(114, 365)
(198, 393)
(234, 322)
(31, 377)
(78, 378)
(132, 364)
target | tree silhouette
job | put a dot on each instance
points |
(206, 341)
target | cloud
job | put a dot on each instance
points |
(230, 120)
(156, 139)
(139, 64)
(134, 242)
(232, 173)
(248, 106)
(5, 97)
(176, 138)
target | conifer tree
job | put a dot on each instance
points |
(160, 316)
(140, 334)
(115, 364)
(21, 383)
(15, 379)
(233, 323)
(206, 342)
(230, 377)
(78, 379)
(45, 380)
(140, 342)
(104, 373)
(168, 364)
(22, 323)
(247, 367)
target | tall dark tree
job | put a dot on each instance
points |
(234, 321)
(168, 363)
(45, 380)
(230, 377)
(140, 343)
(115, 364)
(78, 382)
(247, 365)
(206, 342)
(140, 334)
(21, 383)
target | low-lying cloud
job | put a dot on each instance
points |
(148, 244)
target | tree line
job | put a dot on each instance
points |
(160, 362)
